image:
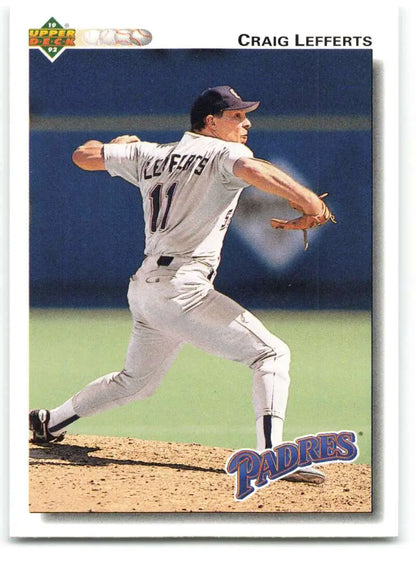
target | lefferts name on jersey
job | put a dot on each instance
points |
(174, 162)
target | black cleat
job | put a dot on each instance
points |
(38, 425)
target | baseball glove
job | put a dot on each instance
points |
(305, 222)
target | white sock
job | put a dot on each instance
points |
(269, 430)
(61, 417)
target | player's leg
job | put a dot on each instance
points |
(149, 355)
(241, 337)
(213, 322)
(219, 325)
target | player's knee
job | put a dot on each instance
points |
(283, 349)
(276, 351)
(281, 352)
(135, 386)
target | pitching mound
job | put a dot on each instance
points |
(125, 475)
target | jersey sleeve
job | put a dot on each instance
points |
(125, 160)
(228, 157)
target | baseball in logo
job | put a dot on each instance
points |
(115, 37)
(52, 38)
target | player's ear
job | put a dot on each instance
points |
(209, 120)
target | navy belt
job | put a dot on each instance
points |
(167, 260)
(164, 260)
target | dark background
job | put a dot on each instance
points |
(86, 230)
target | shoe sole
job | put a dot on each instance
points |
(44, 442)
(305, 477)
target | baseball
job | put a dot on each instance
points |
(107, 37)
(91, 37)
(122, 37)
(141, 37)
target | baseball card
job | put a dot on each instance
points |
(202, 250)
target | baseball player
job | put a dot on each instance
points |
(190, 190)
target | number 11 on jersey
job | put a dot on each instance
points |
(160, 202)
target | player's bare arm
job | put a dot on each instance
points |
(89, 156)
(267, 177)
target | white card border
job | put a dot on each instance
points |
(385, 34)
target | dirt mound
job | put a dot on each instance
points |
(125, 475)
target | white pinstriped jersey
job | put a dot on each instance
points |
(188, 188)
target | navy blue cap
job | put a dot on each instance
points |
(216, 99)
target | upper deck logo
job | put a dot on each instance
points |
(52, 38)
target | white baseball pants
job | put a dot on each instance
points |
(177, 304)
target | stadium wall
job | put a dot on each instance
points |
(314, 121)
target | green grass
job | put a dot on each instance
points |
(203, 398)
